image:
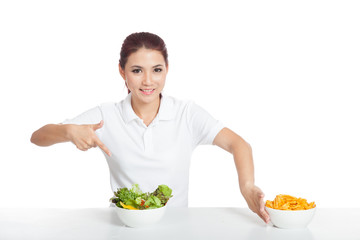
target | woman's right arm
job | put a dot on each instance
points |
(83, 136)
(51, 134)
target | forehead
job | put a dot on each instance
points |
(146, 57)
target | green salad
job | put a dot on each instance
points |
(135, 199)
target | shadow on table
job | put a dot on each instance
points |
(271, 232)
(108, 217)
(115, 220)
(247, 215)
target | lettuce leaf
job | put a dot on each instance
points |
(153, 202)
(136, 189)
(136, 198)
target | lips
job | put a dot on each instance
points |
(147, 91)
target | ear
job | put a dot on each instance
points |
(122, 72)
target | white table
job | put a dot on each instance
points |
(178, 223)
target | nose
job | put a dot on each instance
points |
(147, 80)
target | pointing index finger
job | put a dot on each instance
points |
(102, 146)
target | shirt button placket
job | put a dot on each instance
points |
(147, 139)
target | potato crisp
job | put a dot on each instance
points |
(287, 202)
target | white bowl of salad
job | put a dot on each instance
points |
(137, 209)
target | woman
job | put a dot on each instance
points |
(148, 137)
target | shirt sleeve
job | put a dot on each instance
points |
(91, 116)
(202, 125)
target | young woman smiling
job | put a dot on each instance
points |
(148, 137)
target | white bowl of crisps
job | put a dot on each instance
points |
(137, 209)
(290, 212)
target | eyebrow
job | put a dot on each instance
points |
(159, 65)
(137, 66)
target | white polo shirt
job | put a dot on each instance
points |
(156, 154)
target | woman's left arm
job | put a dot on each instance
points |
(241, 150)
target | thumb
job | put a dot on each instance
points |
(98, 125)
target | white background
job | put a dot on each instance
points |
(282, 74)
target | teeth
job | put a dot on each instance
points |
(147, 90)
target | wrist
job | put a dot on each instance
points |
(246, 186)
(68, 129)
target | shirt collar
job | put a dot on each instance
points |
(166, 110)
(128, 112)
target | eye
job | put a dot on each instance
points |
(136, 70)
(157, 69)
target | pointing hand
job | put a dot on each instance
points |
(84, 137)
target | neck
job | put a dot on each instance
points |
(146, 111)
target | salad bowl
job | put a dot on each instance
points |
(140, 218)
(137, 209)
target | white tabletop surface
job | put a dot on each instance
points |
(178, 223)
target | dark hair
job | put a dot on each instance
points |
(138, 40)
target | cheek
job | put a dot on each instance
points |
(131, 80)
(160, 78)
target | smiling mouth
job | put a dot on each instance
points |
(147, 91)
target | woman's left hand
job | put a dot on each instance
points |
(255, 200)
